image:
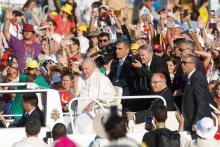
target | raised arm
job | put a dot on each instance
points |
(9, 16)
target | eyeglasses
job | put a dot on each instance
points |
(155, 82)
(103, 40)
(185, 62)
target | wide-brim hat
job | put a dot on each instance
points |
(205, 128)
(28, 27)
(98, 124)
(67, 8)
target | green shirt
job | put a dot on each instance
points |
(16, 107)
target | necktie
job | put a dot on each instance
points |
(119, 70)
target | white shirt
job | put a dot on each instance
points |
(96, 86)
(30, 142)
(84, 44)
(149, 63)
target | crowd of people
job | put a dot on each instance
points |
(88, 48)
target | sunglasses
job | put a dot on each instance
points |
(185, 62)
(157, 51)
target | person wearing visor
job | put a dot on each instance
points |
(24, 49)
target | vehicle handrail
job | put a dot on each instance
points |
(17, 84)
(23, 91)
(104, 98)
(214, 115)
(13, 84)
(213, 107)
(11, 115)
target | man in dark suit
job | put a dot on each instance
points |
(159, 87)
(121, 69)
(30, 105)
(144, 70)
(196, 97)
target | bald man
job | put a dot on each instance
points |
(159, 87)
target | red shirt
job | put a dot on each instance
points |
(63, 28)
(65, 97)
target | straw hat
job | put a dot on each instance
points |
(67, 8)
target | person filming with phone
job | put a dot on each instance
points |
(160, 136)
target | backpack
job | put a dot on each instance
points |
(167, 138)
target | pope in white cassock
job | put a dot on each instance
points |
(91, 84)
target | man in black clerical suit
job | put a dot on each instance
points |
(196, 97)
(159, 87)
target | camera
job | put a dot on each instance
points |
(134, 57)
(107, 53)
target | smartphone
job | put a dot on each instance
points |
(148, 123)
(114, 110)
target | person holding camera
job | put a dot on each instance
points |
(144, 69)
